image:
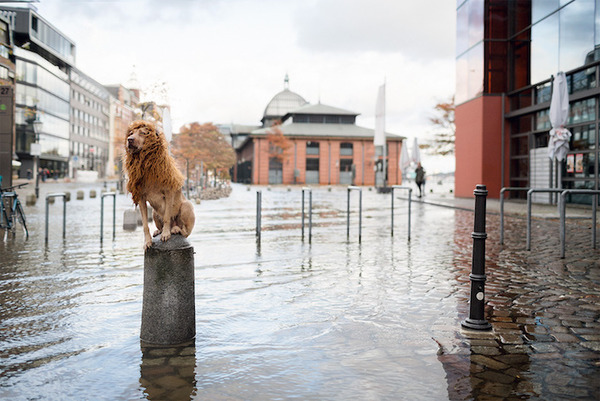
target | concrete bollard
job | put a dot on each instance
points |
(67, 196)
(198, 200)
(80, 195)
(130, 220)
(51, 201)
(92, 193)
(168, 308)
(30, 200)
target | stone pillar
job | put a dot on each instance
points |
(168, 311)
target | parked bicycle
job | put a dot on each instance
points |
(11, 210)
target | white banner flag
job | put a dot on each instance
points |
(379, 139)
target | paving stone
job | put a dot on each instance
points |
(513, 359)
(486, 350)
(496, 377)
(565, 338)
(593, 345)
(511, 338)
(496, 389)
(488, 362)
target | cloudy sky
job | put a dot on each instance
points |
(222, 61)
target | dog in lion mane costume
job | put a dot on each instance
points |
(154, 178)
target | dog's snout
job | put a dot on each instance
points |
(130, 140)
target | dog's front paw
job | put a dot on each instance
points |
(175, 230)
(157, 232)
(165, 236)
(147, 243)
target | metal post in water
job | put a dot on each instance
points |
(302, 213)
(476, 319)
(310, 217)
(258, 214)
(348, 215)
(360, 213)
(101, 218)
(168, 307)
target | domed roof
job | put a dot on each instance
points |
(283, 102)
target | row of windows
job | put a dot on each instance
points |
(88, 151)
(34, 74)
(312, 148)
(46, 34)
(560, 36)
(44, 102)
(84, 100)
(323, 119)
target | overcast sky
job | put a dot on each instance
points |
(223, 60)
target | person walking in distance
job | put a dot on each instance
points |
(420, 178)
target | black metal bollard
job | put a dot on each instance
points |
(476, 319)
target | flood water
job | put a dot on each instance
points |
(334, 319)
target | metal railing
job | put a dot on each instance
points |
(51, 196)
(350, 189)
(563, 209)
(309, 190)
(529, 196)
(114, 196)
(409, 206)
(502, 191)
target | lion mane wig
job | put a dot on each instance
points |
(152, 165)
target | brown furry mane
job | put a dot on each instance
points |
(152, 166)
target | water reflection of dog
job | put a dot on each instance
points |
(168, 373)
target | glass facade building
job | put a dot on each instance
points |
(507, 54)
(42, 93)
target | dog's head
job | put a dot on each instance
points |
(140, 133)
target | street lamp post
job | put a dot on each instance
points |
(36, 152)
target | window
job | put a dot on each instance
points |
(312, 148)
(345, 149)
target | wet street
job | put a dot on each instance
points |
(333, 319)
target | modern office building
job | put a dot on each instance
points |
(43, 57)
(323, 146)
(90, 125)
(508, 53)
(7, 104)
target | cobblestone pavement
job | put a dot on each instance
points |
(545, 342)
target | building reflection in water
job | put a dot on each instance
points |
(168, 373)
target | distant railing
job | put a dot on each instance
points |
(309, 190)
(114, 196)
(502, 191)
(529, 196)
(51, 196)
(409, 204)
(563, 207)
(350, 189)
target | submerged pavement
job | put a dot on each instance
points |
(329, 320)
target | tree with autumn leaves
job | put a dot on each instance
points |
(443, 143)
(279, 145)
(203, 143)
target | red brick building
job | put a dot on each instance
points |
(326, 147)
